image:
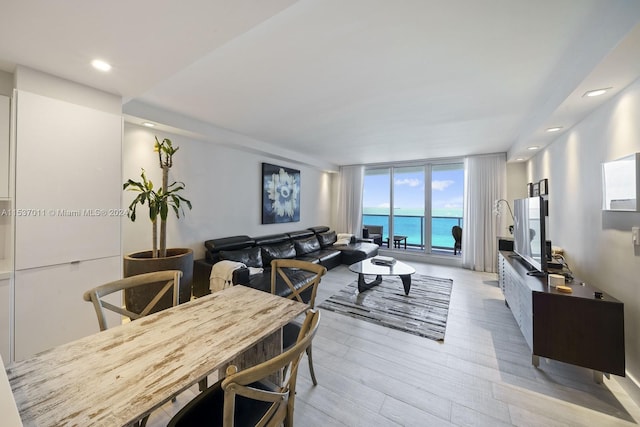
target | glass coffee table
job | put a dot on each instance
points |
(366, 267)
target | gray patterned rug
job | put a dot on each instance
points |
(423, 312)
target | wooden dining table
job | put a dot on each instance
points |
(116, 377)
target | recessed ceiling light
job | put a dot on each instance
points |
(99, 64)
(554, 129)
(533, 147)
(149, 124)
(596, 92)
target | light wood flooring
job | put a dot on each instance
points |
(480, 376)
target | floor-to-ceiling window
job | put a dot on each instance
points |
(417, 205)
(447, 191)
(376, 199)
(408, 206)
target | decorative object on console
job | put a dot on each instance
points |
(159, 258)
(280, 194)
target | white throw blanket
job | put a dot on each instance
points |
(222, 275)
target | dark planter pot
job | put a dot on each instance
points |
(141, 262)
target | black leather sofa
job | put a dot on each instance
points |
(315, 244)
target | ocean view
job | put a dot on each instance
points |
(410, 223)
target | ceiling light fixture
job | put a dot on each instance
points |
(596, 92)
(554, 129)
(520, 159)
(99, 64)
(533, 147)
(149, 124)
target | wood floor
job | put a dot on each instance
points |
(480, 376)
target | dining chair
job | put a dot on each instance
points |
(97, 294)
(456, 232)
(282, 271)
(248, 397)
(376, 233)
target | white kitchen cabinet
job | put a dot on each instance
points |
(68, 182)
(5, 319)
(50, 309)
(68, 187)
(4, 146)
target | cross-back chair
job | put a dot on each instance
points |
(248, 397)
(97, 294)
(284, 269)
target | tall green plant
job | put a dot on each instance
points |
(158, 201)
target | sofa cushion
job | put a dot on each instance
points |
(357, 252)
(277, 251)
(251, 257)
(327, 239)
(307, 245)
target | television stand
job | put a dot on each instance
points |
(574, 328)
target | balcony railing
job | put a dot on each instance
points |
(413, 227)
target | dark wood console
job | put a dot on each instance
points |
(574, 328)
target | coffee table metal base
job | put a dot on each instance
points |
(364, 286)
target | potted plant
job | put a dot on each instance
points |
(158, 201)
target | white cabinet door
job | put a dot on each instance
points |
(5, 319)
(49, 306)
(4, 146)
(68, 182)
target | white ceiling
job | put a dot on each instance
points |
(336, 82)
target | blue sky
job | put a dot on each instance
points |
(447, 189)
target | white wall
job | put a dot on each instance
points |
(6, 83)
(224, 187)
(597, 244)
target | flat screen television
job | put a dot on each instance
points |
(529, 240)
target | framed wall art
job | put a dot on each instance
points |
(280, 194)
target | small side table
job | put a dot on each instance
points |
(399, 239)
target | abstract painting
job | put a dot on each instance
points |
(280, 194)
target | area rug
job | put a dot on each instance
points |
(423, 312)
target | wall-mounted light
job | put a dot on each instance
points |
(101, 65)
(149, 124)
(554, 129)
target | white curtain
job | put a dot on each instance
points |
(485, 182)
(349, 206)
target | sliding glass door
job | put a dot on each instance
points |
(408, 207)
(417, 205)
(447, 193)
(376, 199)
